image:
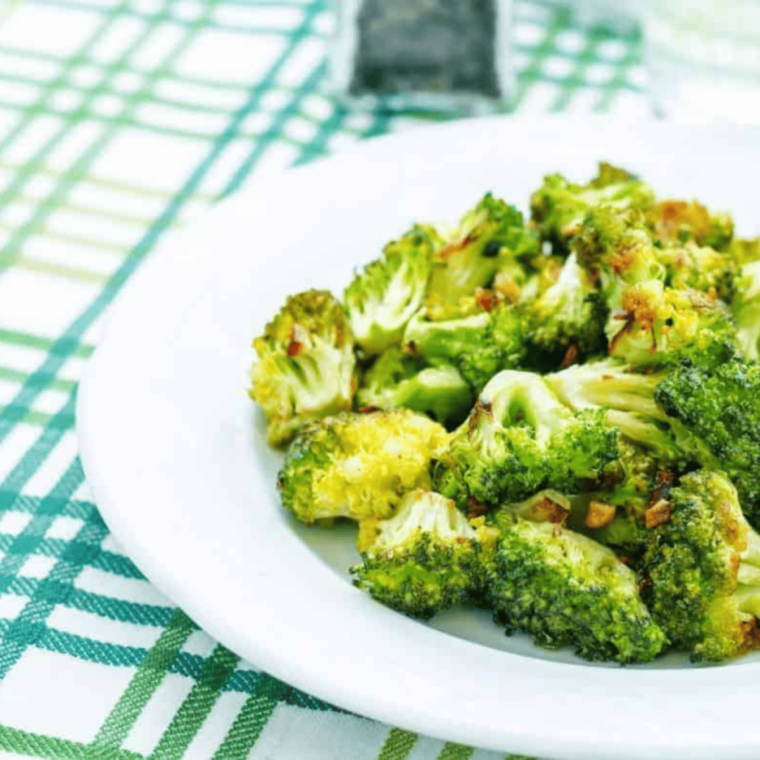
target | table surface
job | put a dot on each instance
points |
(120, 120)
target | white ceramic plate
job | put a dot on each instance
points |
(176, 456)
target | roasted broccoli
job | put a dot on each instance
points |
(690, 413)
(383, 297)
(424, 559)
(479, 346)
(628, 400)
(616, 515)
(700, 268)
(397, 379)
(662, 302)
(568, 315)
(520, 439)
(613, 246)
(358, 465)
(720, 406)
(599, 368)
(744, 250)
(746, 310)
(559, 207)
(702, 570)
(543, 272)
(306, 365)
(489, 237)
(682, 221)
(659, 326)
(564, 589)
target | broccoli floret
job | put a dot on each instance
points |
(544, 272)
(397, 379)
(620, 516)
(659, 326)
(709, 415)
(424, 559)
(306, 365)
(682, 221)
(571, 312)
(479, 346)
(382, 299)
(520, 439)
(610, 384)
(702, 570)
(721, 407)
(613, 245)
(358, 465)
(746, 310)
(650, 322)
(616, 245)
(489, 236)
(700, 268)
(629, 400)
(559, 207)
(566, 589)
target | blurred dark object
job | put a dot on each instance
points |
(433, 46)
(424, 53)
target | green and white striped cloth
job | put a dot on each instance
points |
(119, 120)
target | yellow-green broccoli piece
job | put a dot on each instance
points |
(568, 314)
(559, 206)
(489, 237)
(663, 303)
(382, 298)
(397, 379)
(745, 308)
(659, 326)
(677, 222)
(693, 267)
(358, 466)
(306, 365)
(614, 246)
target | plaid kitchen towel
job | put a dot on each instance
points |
(120, 119)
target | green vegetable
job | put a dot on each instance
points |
(565, 589)
(746, 310)
(397, 379)
(599, 368)
(424, 559)
(559, 206)
(721, 407)
(628, 396)
(358, 465)
(656, 326)
(489, 237)
(479, 346)
(383, 297)
(306, 365)
(702, 569)
(682, 221)
(520, 439)
(571, 312)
